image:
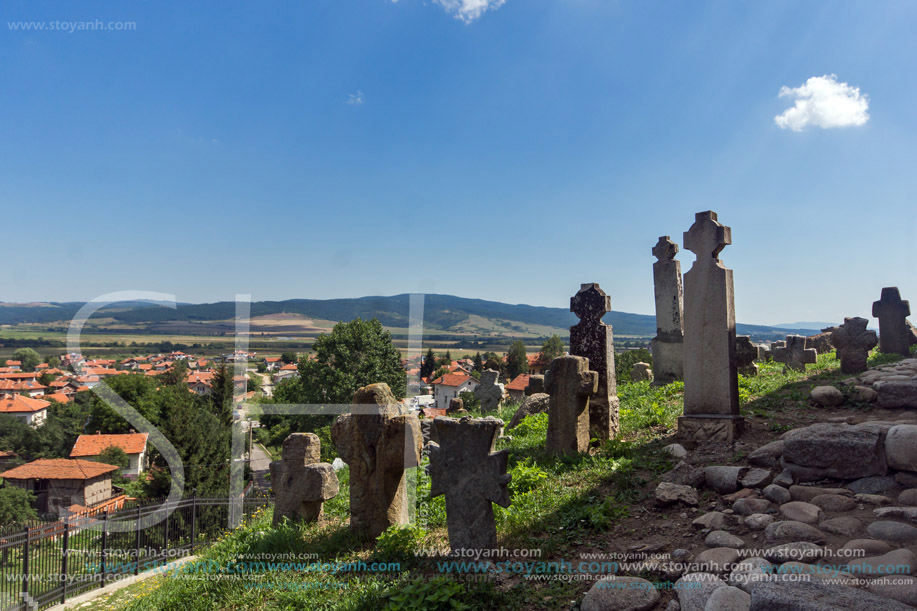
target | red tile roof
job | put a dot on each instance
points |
(59, 397)
(59, 468)
(433, 412)
(519, 382)
(21, 404)
(452, 379)
(93, 445)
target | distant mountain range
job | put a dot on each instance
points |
(441, 313)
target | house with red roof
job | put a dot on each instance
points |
(516, 388)
(286, 372)
(449, 386)
(59, 483)
(133, 444)
(33, 412)
(200, 382)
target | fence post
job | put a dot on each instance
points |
(65, 562)
(104, 546)
(165, 537)
(25, 565)
(193, 518)
(137, 542)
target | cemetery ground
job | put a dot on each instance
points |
(571, 509)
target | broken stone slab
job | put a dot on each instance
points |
(724, 479)
(897, 395)
(669, 494)
(621, 594)
(828, 396)
(817, 596)
(836, 451)
(570, 383)
(901, 447)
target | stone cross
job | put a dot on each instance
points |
(641, 372)
(465, 468)
(535, 385)
(300, 482)
(853, 342)
(570, 384)
(489, 392)
(892, 312)
(746, 353)
(711, 381)
(378, 442)
(795, 355)
(591, 338)
(668, 345)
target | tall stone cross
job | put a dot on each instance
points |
(795, 355)
(301, 483)
(465, 468)
(570, 384)
(853, 342)
(489, 392)
(378, 442)
(711, 380)
(892, 312)
(591, 338)
(668, 345)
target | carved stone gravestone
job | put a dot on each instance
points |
(795, 355)
(465, 468)
(668, 345)
(455, 405)
(853, 342)
(746, 354)
(535, 385)
(892, 312)
(570, 384)
(711, 379)
(378, 442)
(489, 392)
(641, 372)
(592, 339)
(301, 483)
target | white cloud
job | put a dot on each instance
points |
(824, 102)
(469, 10)
(356, 99)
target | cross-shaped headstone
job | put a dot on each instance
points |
(300, 482)
(489, 393)
(378, 442)
(711, 396)
(570, 384)
(853, 342)
(795, 355)
(746, 353)
(707, 237)
(593, 339)
(892, 312)
(465, 468)
(668, 345)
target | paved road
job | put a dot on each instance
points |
(260, 465)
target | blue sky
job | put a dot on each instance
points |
(333, 149)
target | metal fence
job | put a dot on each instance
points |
(51, 562)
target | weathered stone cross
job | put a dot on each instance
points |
(300, 482)
(593, 339)
(378, 443)
(570, 384)
(853, 342)
(668, 345)
(465, 468)
(795, 355)
(707, 237)
(892, 312)
(489, 392)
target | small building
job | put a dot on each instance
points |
(536, 368)
(450, 386)
(33, 412)
(516, 388)
(286, 372)
(200, 382)
(59, 483)
(273, 362)
(7, 459)
(133, 444)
